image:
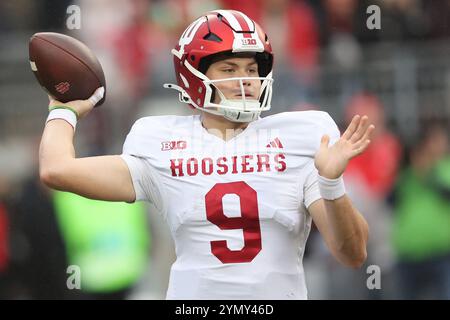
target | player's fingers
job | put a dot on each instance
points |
(97, 96)
(362, 127)
(367, 136)
(351, 127)
(368, 132)
(357, 145)
(361, 148)
(53, 102)
(51, 99)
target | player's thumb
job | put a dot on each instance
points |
(96, 96)
(324, 141)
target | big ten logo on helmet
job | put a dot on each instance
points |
(248, 42)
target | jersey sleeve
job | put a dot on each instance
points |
(311, 186)
(311, 193)
(146, 181)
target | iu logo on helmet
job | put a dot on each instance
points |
(62, 87)
(189, 34)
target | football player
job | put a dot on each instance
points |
(238, 191)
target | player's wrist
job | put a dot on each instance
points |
(331, 189)
(64, 113)
(64, 107)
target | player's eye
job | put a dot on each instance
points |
(228, 70)
(252, 70)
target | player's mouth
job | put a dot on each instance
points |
(247, 96)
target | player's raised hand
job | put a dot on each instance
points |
(332, 161)
(81, 107)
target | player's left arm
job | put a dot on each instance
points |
(344, 229)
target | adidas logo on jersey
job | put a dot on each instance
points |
(275, 143)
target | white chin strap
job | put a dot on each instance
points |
(239, 116)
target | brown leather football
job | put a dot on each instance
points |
(65, 67)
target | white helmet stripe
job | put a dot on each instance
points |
(250, 24)
(241, 43)
(231, 19)
(187, 29)
(195, 71)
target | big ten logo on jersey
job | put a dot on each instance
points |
(173, 145)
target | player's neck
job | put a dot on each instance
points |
(221, 127)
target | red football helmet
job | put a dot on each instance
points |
(217, 35)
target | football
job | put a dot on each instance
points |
(65, 67)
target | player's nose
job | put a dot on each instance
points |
(247, 82)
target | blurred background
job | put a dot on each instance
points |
(326, 58)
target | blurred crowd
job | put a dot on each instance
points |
(401, 184)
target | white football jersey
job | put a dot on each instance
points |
(237, 209)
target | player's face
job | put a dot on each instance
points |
(233, 68)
